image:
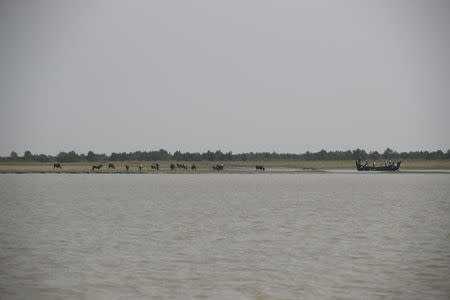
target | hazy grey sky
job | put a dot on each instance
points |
(285, 76)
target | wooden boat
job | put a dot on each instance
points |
(366, 167)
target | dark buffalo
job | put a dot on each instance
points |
(57, 166)
(98, 167)
(193, 168)
(111, 166)
(260, 168)
(172, 167)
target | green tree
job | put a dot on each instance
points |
(359, 154)
(27, 155)
(374, 155)
(387, 154)
(178, 155)
(41, 158)
(68, 157)
(218, 155)
(91, 156)
(13, 155)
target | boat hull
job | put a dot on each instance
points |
(393, 167)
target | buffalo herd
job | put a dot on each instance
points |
(217, 167)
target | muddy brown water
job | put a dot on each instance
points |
(225, 236)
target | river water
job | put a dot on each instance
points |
(225, 236)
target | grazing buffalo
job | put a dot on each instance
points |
(260, 168)
(172, 167)
(193, 168)
(218, 167)
(127, 167)
(111, 166)
(98, 167)
(155, 167)
(57, 166)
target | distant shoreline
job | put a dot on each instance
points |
(205, 167)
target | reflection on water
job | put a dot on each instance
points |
(225, 236)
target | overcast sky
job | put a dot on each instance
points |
(285, 76)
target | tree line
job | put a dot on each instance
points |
(218, 155)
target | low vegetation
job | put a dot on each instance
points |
(163, 155)
(73, 162)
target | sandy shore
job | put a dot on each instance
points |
(293, 166)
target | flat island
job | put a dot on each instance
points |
(284, 166)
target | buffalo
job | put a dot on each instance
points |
(98, 167)
(260, 168)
